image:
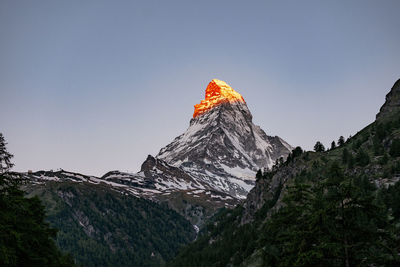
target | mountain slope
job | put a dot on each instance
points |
(332, 208)
(157, 181)
(101, 227)
(212, 165)
(209, 167)
(222, 147)
(392, 103)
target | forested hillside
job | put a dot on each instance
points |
(101, 227)
(26, 239)
(325, 208)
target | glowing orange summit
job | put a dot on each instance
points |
(217, 92)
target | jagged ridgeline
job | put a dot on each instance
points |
(210, 166)
(142, 219)
(222, 147)
(331, 208)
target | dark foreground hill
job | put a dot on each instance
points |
(101, 227)
(328, 208)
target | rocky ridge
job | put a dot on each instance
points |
(372, 156)
(392, 102)
(222, 146)
(210, 166)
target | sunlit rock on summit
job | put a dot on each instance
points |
(210, 166)
(217, 92)
(222, 147)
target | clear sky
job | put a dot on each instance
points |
(93, 86)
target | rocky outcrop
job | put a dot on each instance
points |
(217, 93)
(222, 147)
(157, 170)
(157, 181)
(392, 103)
(266, 189)
(211, 165)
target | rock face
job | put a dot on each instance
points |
(222, 147)
(392, 102)
(210, 166)
(157, 181)
(264, 190)
(217, 92)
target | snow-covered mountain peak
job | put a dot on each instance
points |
(217, 93)
(211, 165)
(222, 146)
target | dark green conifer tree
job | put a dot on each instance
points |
(362, 157)
(333, 145)
(345, 156)
(25, 238)
(319, 147)
(259, 174)
(341, 141)
(395, 148)
(297, 152)
(334, 222)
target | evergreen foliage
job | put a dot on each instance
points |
(345, 156)
(336, 222)
(5, 156)
(292, 155)
(25, 238)
(362, 158)
(319, 147)
(341, 141)
(330, 214)
(224, 241)
(395, 148)
(258, 174)
(333, 145)
(101, 227)
(297, 152)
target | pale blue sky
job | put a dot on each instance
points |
(92, 86)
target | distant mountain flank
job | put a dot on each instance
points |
(325, 208)
(100, 226)
(392, 102)
(212, 165)
(222, 147)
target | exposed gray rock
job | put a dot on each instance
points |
(224, 149)
(392, 103)
(212, 165)
(84, 222)
(265, 190)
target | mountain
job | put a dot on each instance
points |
(156, 181)
(211, 166)
(99, 226)
(392, 102)
(334, 208)
(222, 147)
